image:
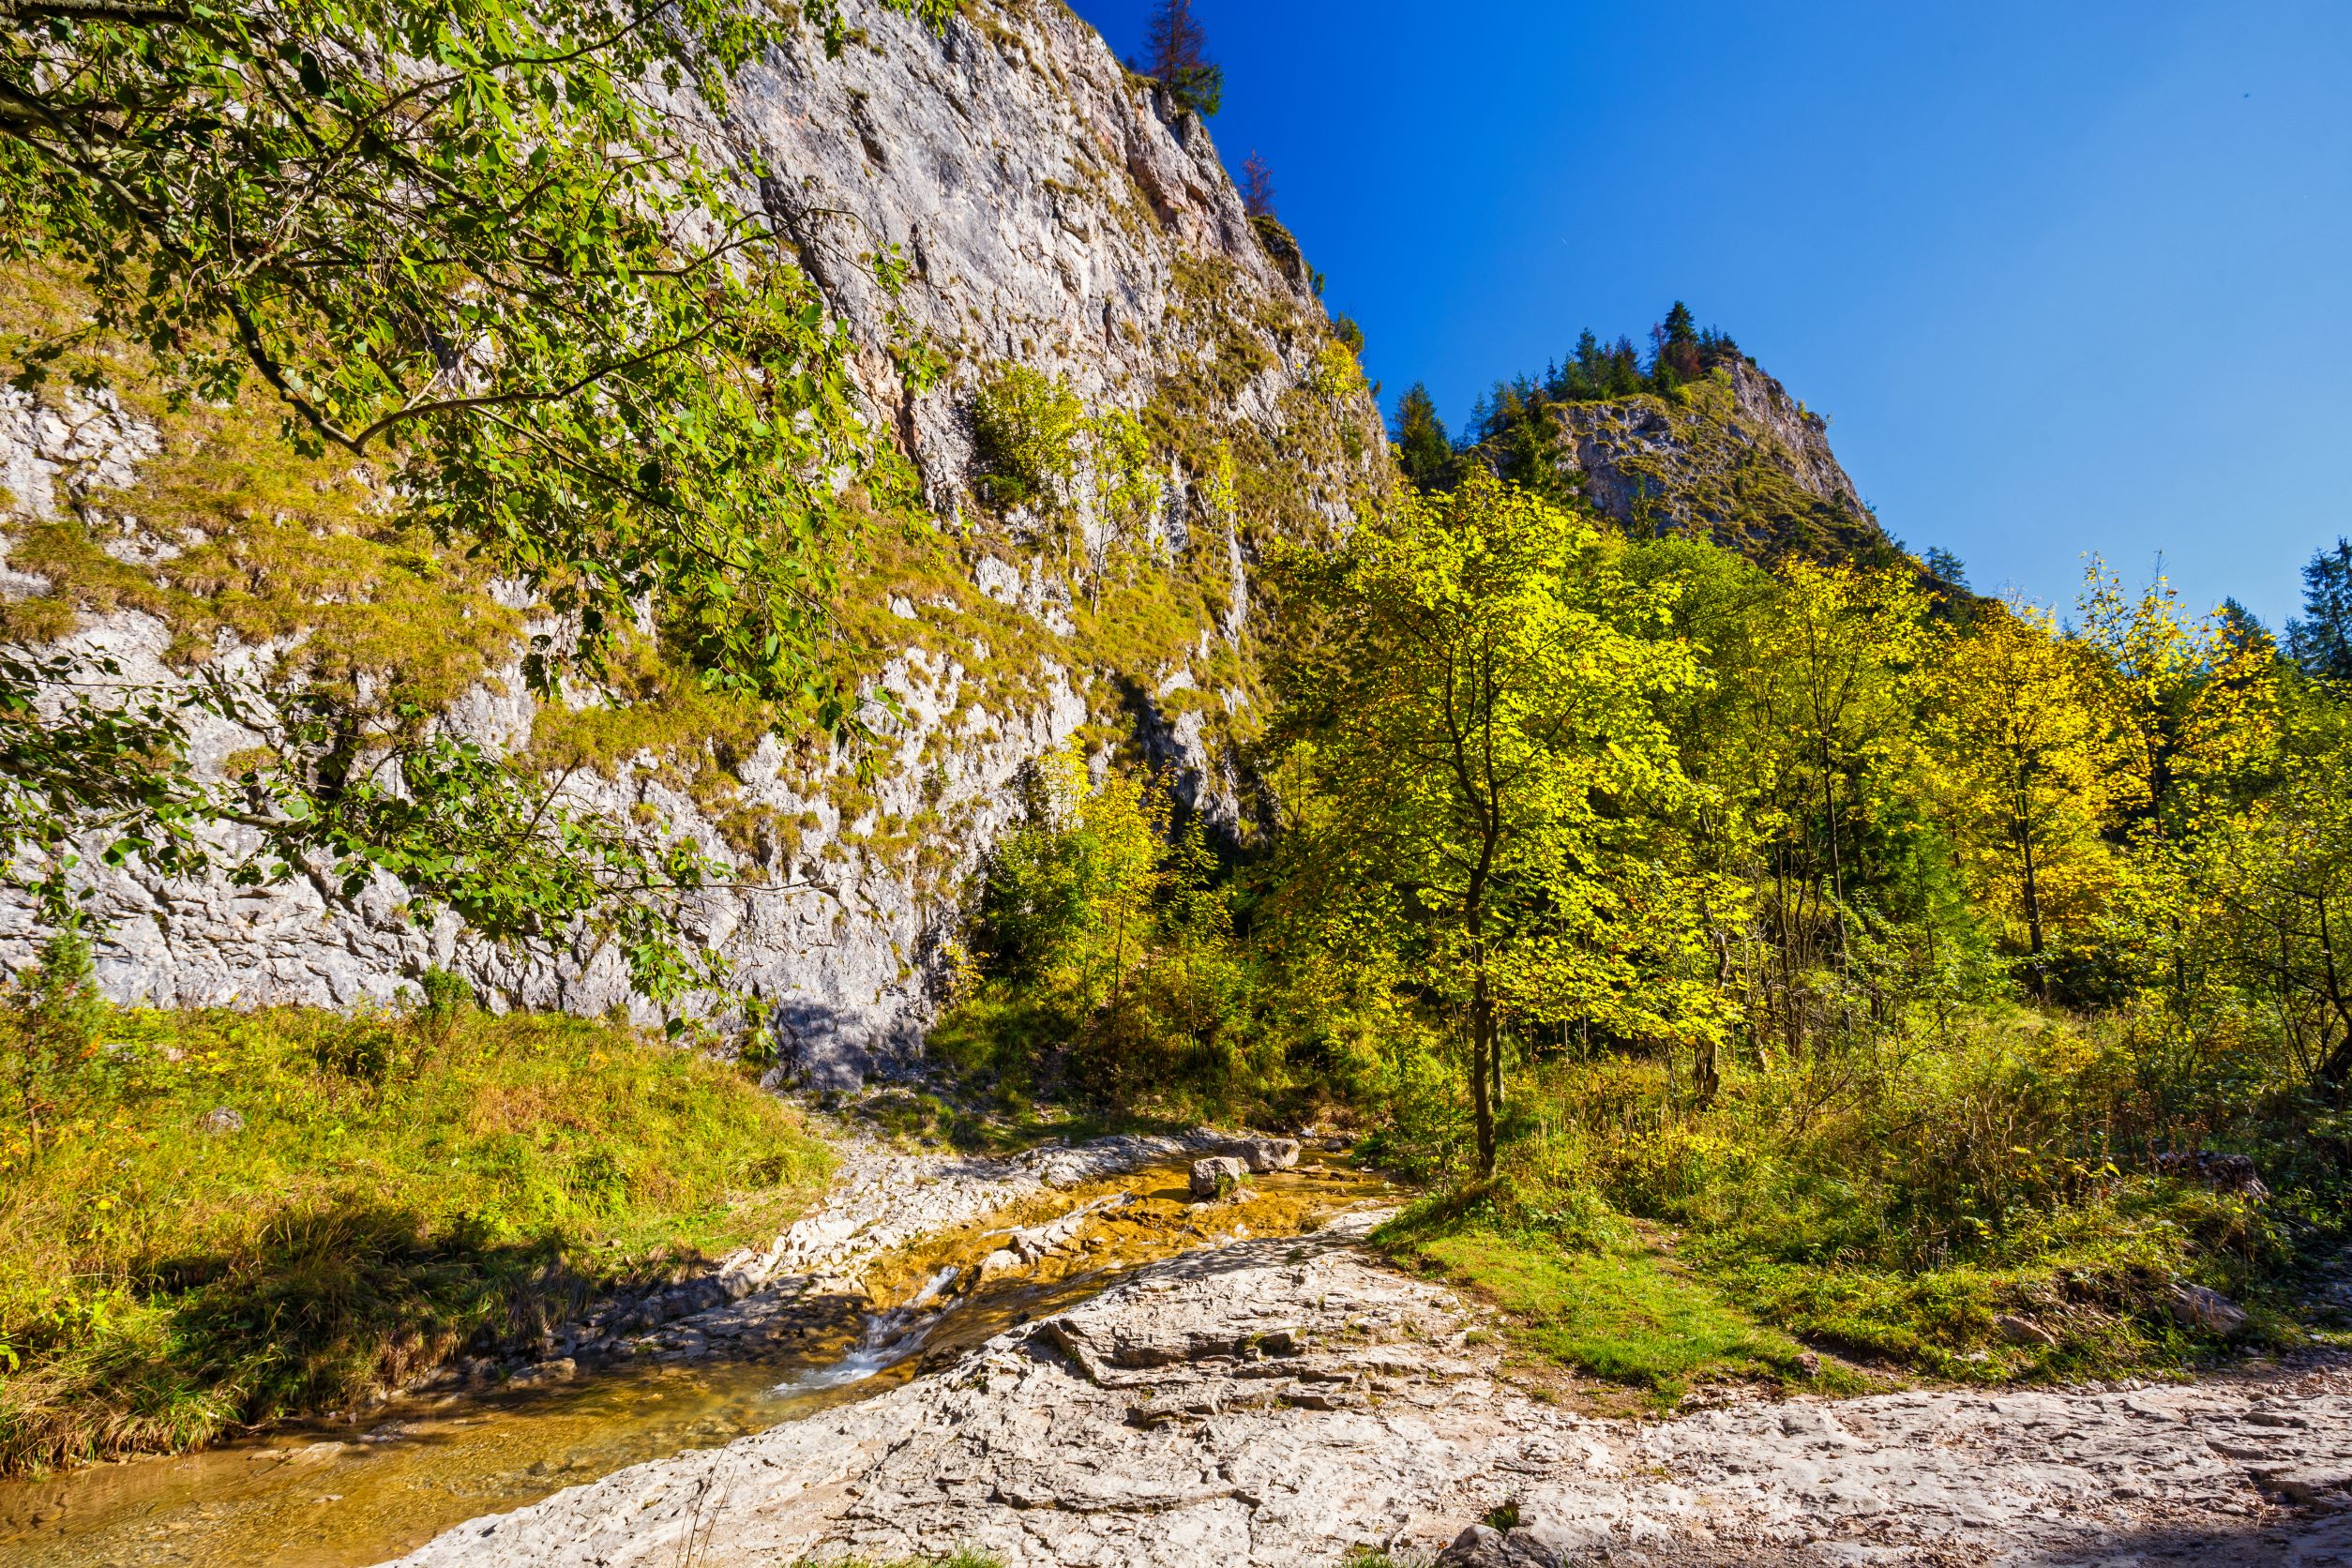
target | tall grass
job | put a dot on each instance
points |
(228, 1218)
(1970, 1194)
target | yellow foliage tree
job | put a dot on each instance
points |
(2025, 769)
(1490, 790)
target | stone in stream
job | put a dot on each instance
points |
(1263, 1154)
(1217, 1175)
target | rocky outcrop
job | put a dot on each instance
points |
(1278, 1402)
(1734, 457)
(1055, 211)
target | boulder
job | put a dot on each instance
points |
(222, 1118)
(2195, 1306)
(1485, 1546)
(1218, 1175)
(2023, 1331)
(1263, 1154)
(2222, 1173)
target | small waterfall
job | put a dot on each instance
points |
(888, 1339)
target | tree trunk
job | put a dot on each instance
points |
(2033, 900)
(1484, 1071)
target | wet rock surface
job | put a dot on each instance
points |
(762, 1299)
(1279, 1401)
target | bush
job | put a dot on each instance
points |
(1982, 1166)
(1025, 429)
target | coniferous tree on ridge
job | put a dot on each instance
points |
(1176, 54)
(1423, 449)
(2321, 639)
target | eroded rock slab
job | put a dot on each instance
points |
(1277, 1402)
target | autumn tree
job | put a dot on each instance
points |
(1176, 55)
(2023, 766)
(1485, 781)
(2193, 704)
(1257, 188)
(2195, 712)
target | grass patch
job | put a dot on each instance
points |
(1624, 1315)
(233, 1218)
(1964, 1205)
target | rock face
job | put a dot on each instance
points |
(1056, 214)
(1276, 1403)
(1735, 458)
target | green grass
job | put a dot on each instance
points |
(1625, 1315)
(1965, 1206)
(398, 1192)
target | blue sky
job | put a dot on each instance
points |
(2067, 276)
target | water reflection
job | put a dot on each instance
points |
(346, 1496)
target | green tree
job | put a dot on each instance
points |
(465, 242)
(1103, 939)
(2321, 637)
(1176, 55)
(2280, 914)
(462, 239)
(1484, 785)
(1423, 451)
(1675, 356)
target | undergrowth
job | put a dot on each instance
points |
(1969, 1208)
(228, 1218)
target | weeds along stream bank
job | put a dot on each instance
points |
(212, 1219)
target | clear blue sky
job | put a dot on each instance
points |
(2067, 276)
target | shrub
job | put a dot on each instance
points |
(1025, 429)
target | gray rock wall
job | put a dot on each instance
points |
(1051, 217)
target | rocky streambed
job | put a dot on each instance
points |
(1284, 1400)
(911, 1258)
(1081, 1357)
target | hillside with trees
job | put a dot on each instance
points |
(581, 573)
(1690, 437)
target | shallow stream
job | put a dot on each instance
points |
(350, 1494)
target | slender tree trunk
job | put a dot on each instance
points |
(2335, 1067)
(1483, 1064)
(2032, 891)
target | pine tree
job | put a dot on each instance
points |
(1423, 449)
(1680, 330)
(1176, 56)
(2321, 640)
(1946, 568)
(1257, 188)
(1674, 350)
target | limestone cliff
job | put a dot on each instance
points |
(1057, 215)
(1733, 456)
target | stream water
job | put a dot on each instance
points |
(351, 1494)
